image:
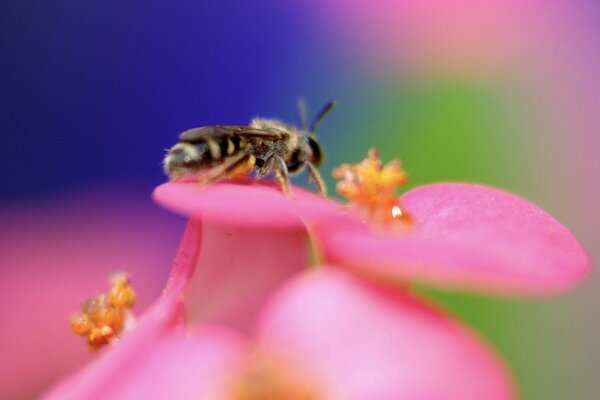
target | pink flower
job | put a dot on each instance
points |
(242, 317)
(464, 235)
(321, 335)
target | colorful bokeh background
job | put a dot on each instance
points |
(502, 92)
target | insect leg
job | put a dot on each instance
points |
(223, 170)
(265, 168)
(315, 177)
(243, 167)
(281, 171)
(278, 166)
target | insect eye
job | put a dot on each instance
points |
(317, 154)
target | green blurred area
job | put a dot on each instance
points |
(530, 336)
(442, 130)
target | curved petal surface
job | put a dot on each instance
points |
(237, 271)
(362, 342)
(468, 236)
(174, 366)
(196, 366)
(245, 203)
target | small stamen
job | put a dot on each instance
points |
(370, 187)
(104, 317)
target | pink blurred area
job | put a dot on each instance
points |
(456, 36)
(57, 252)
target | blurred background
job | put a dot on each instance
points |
(501, 92)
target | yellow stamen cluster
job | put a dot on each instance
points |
(104, 317)
(370, 186)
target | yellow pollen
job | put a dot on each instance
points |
(370, 187)
(244, 169)
(263, 377)
(121, 294)
(103, 318)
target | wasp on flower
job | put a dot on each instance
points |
(278, 335)
(256, 325)
(265, 146)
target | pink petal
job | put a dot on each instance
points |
(56, 252)
(360, 342)
(194, 367)
(244, 203)
(227, 273)
(253, 240)
(468, 236)
(238, 269)
(177, 366)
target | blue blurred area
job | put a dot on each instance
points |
(95, 91)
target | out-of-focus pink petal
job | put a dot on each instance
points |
(238, 270)
(56, 252)
(362, 342)
(196, 366)
(112, 370)
(245, 203)
(178, 366)
(468, 236)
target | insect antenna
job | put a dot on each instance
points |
(320, 115)
(303, 114)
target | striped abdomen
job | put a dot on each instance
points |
(201, 148)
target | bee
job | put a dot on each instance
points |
(265, 146)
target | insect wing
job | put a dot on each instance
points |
(208, 132)
(217, 131)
